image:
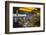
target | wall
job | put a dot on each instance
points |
(2, 18)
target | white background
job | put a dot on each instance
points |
(11, 5)
(2, 18)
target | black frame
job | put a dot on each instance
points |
(7, 16)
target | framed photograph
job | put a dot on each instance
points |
(24, 17)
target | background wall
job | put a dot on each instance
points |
(2, 18)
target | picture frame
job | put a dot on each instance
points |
(22, 8)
